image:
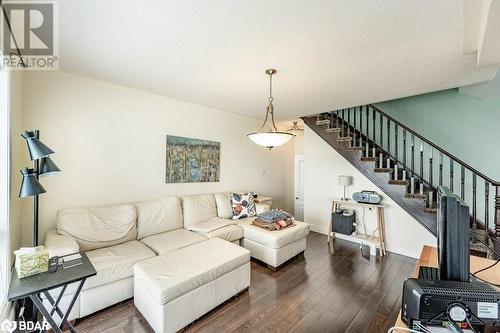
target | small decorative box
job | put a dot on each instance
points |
(31, 261)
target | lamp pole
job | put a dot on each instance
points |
(36, 168)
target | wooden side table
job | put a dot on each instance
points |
(263, 200)
(360, 237)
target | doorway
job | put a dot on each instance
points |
(299, 188)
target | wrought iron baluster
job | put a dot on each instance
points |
(440, 168)
(422, 160)
(451, 175)
(348, 121)
(474, 209)
(430, 167)
(343, 117)
(388, 136)
(396, 130)
(462, 183)
(497, 212)
(486, 208)
(404, 148)
(374, 121)
(381, 118)
(412, 155)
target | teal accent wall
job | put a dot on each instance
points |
(468, 127)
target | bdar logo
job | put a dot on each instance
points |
(8, 326)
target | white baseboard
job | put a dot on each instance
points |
(319, 229)
(394, 249)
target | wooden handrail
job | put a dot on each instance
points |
(456, 159)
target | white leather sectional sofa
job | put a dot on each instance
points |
(152, 238)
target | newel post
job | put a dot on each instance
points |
(497, 212)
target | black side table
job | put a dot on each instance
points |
(35, 285)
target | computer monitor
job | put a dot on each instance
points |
(453, 235)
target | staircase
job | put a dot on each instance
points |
(408, 168)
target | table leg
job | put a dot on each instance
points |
(383, 227)
(39, 304)
(380, 239)
(55, 305)
(330, 223)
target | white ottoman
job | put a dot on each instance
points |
(275, 247)
(176, 288)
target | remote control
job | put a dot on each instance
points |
(53, 263)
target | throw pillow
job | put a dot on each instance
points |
(243, 205)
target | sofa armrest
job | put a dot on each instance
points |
(60, 245)
(262, 208)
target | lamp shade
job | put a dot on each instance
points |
(30, 185)
(270, 139)
(36, 148)
(345, 180)
(48, 167)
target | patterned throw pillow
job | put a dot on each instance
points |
(243, 205)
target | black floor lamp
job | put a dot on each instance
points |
(42, 166)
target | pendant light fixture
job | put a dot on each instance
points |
(296, 130)
(268, 135)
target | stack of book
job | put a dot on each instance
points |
(273, 220)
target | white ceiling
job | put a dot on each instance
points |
(329, 54)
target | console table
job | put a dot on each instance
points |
(378, 241)
(429, 258)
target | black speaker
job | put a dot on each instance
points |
(343, 224)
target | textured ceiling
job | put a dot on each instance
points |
(329, 54)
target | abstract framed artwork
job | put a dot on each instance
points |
(192, 160)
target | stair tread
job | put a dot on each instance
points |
(398, 182)
(356, 148)
(333, 130)
(369, 159)
(344, 138)
(430, 210)
(388, 170)
(416, 196)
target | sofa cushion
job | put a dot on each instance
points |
(242, 205)
(97, 227)
(213, 224)
(157, 216)
(223, 202)
(275, 239)
(172, 240)
(198, 208)
(116, 262)
(229, 233)
(176, 273)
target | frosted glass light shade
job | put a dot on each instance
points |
(270, 139)
(345, 180)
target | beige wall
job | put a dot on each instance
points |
(323, 165)
(17, 159)
(110, 144)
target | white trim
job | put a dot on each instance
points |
(394, 249)
(5, 173)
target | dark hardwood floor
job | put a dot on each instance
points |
(324, 291)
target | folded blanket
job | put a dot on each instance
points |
(213, 224)
(273, 216)
(278, 225)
